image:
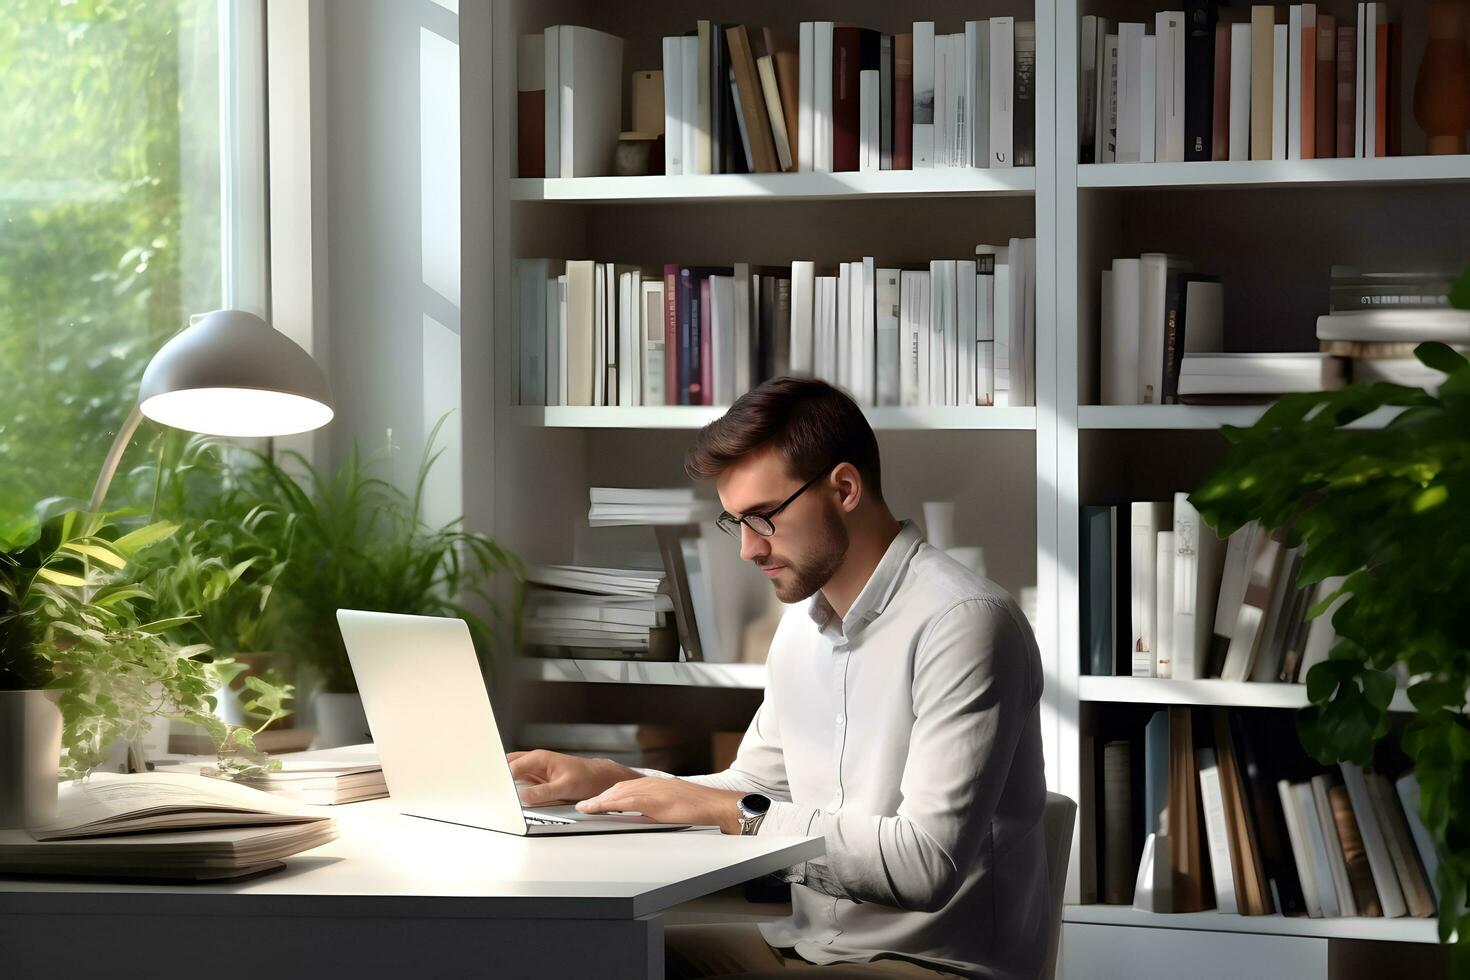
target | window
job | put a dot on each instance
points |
(131, 196)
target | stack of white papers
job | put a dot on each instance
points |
(623, 507)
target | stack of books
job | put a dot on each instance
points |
(1215, 810)
(163, 826)
(1155, 312)
(1376, 319)
(635, 507)
(1235, 379)
(324, 777)
(599, 613)
(959, 332)
(1163, 596)
(1279, 83)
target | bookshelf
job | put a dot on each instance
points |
(1269, 228)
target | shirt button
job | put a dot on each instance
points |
(841, 719)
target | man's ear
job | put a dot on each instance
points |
(847, 483)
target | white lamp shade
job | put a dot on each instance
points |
(230, 374)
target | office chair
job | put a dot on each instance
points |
(1057, 821)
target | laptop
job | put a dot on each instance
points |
(431, 720)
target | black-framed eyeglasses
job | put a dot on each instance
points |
(763, 524)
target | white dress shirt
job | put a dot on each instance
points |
(907, 733)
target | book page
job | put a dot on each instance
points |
(112, 803)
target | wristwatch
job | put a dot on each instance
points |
(753, 809)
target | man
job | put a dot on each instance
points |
(900, 722)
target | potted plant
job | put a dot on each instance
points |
(1389, 509)
(360, 543)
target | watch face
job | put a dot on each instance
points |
(755, 804)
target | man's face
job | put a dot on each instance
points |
(810, 542)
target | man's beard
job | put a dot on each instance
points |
(815, 570)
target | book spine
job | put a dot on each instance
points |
(903, 102)
(1213, 807)
(885, 103)
(673, 353)
(1355, 858)
(1220, 120)
(706, 360)
(1002, 90)
(1130, 92)
(1325, 86)
(1173, 337)
(1280, 50)
(806, 54)
(1307, 107)
(673, 107)
(846, 99)
(1242, 82)
(1199, 70)
(1263, 41)
(923, 101)
(1382, 69)
(1346, 74)
(1118, 866)
(1024, 118)
(704, 156)
(551, 122)
(788, 85)
(782, 321)
(1109, 101)
(822, 65)
(1087, 92)
(1097, 567)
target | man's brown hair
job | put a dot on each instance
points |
(809, 422)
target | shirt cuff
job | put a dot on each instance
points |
(790, 820)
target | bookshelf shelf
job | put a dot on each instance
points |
(941, 182)
(1205, 692)
(1383, 171)
(1193, 416)
(680, 674)
(693, 417)
(1405, 930)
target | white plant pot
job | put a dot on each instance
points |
(30, 754)
(340, 720)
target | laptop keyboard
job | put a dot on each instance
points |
(542, 820)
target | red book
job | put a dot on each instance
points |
(903, 102)
(671, 335)
(1220, 137)
(846, 99)
(706, 362)
(1347, 93)
(1326, 135)
(1308, 107)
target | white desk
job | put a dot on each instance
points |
(394, 896)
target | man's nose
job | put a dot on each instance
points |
(752, 545)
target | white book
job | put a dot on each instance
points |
(923, 110)
(1279, 54)
(865, 363)
(1301, 848)
(803, 285)
(1147, 520)
(1122, 334)
(1385, 878)
(806, 94)
(1130, 92)
(599, 333)
(627, 337)
(888, 360)
(964, 140)
(1217, 833)
(842, 355)
(556, 325)
(722, 338)
(652, 322)
(1002, 307)
(985, 338)
(1148, 86)
(1368, 77)
(1027, 364)
(564, 358)
(870, 150)
(1407, 787)
(1294, 82)
(1320, 633)
(689, 63)
(1336, 865)
(1152, 297)
(965, 314)
(911, 286)
(1240, 91)
(1164, 605)
(591, 78)
(1245, 637)
(829, 328)
(765, 67)
(1002, 89)
(924, 303)
(1234, 576)
(951, 363)
(943, 334)
(1175, 129)
(673, 106)
(1197, 563)
(1169, 76)
(551, 39)
(1016, 306)
(1108, 101)
(531, 322)
(944, 105)
(977, 89)
(822, 96)
(745, 328)
(1311, 824)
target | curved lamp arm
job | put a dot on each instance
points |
(125, 433)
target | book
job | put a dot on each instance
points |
(751, 103)
(923, 98)
(1164, 605)
(1220, 133)
(1268, 821)
(1148, 148)
(1003, 89)
(1087, 90)
(1346, 77)
(1190, 890)
(1320, 786)
(531, 107)
(787, 68)
(802, 291)
(590, 77)
(1401, 851)
(770, 91)
(1023, 110)
(1252, 889)
(806, 95)
(1280, 51)
(822, 107)
(1118, 867)
(1121, 335)
(1265, 566)
(651, 308)
(1108, 104)
(870, 121)
(1355, 859)
(1215, 831)
(1262, 68)
(1385, 878)
(1147, 519)
(977, 89)
(849, 55)
(887, 334)
(913, 326)
(1098, 540)
(1316, 844)
(1168, 92)
(885, 84)
(1198, 558)
(1130, 92)
(1301, 852)
(1199, 69)
(903, 101)
(1242, 88)
(1407, 787)
(1153, 295)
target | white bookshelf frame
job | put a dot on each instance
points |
(1058, 188)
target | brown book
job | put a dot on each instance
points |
(1401, 850)
(1325, 138)
(903, 102)
(846, 97)
(1252, 892)
(1360, 875)
(531, 106)
(1118, 857)
(788, 81)
(1347, 93)
(1220, 138)
(752, 101)
(1263, 61)
(1308, 105)
(1186, 856)
(1395, 88)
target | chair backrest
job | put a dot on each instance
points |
(1057, 822)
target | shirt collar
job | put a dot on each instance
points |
(876, 592)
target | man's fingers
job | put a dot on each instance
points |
(542, 794)
(527, 765)
(513, 756)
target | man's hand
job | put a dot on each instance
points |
(671, 801)
(557, 778)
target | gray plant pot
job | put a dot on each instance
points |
(340, 720)
(30, 754)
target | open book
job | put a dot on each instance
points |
(347, 774)
(163, 825)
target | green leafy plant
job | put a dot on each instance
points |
(360, 543)
(1389, 509)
